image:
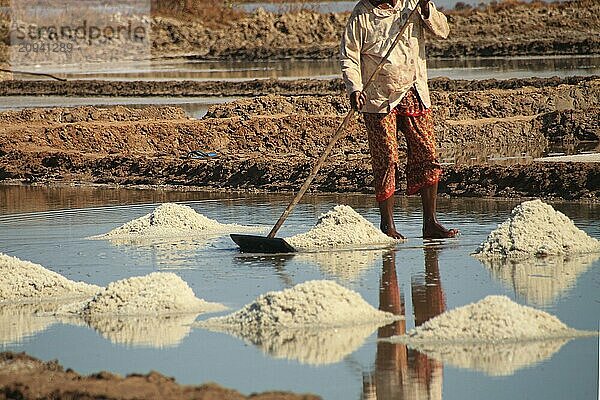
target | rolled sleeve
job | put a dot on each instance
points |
(436, 23)
(350, 56)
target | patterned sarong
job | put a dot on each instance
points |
(416, 123)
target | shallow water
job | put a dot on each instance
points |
(49, 226)
(459, 68)
(195, 107)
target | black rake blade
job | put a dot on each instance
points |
(261, 244)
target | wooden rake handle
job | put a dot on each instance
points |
(339, 133)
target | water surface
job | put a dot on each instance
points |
(459, 68)
(418, 279)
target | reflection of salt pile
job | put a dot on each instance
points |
(167, 253)
(172, 220)
(309, 304)
(315, 322)
(308, 346)
(24, 281)
(341, 226)
(158, 293)
(18, 321)
(144, 331)
(495, 359)
(493, 319)
(541, 281)
(535, 228)
(345, 264)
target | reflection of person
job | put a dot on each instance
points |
(401, 373)
(397, 100)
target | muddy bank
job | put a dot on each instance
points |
(25, 377)
(270, 142)
(259, 87)
(495, 30)
(500, 30)
(569, 181)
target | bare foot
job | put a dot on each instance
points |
(391, 232)
(437, 231)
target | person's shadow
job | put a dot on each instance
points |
(402, 373)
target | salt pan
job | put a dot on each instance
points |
(341, 226)
(536, 229)
(24, 281)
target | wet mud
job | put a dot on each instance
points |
(257, 87)
(25, 377)
(269, 143)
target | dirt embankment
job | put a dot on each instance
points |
(27, 378)
(508, 29)
(505, 29)
(270, 143)
(259, 87)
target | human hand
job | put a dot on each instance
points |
(357, 100)
(424, 5)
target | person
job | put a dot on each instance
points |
(397, 100)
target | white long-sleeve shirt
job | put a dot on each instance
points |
(369, 34)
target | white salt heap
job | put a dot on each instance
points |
(172, 220)
(536, 229)
(341, 226)
(24, 281)
(493, 319)
(309, 304)
(158, 293)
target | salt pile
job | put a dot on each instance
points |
(172, 220)
(158, 293)
(341, 226)
(310, 346)
(535, 228)
(541, 281)
(309, 304)
(24, 281)
(493, 319)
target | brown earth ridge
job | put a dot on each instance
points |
(26, 378)
(269, 143)
(506, 29)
